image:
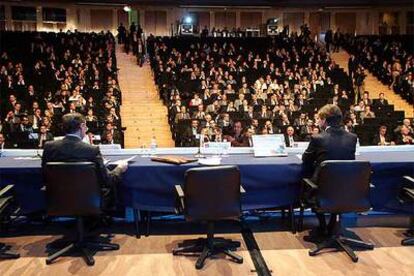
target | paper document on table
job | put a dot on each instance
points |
(106, 161)
(128, 160)
(27, 158)
(299, 156)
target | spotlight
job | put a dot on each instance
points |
(188, 20)
(127, 8)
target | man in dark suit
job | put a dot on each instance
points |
(352, 64)
(290, 137)
(3, 143)
(333, 144)
(73, 149)
(44, 136)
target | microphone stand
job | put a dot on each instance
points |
(201, 142)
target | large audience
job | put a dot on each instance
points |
(216, 88)
(46, 75)
(229, 89)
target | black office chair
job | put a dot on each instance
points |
(407, 200)
(73, 190)
(209, 195)
(341, 187)
(6, 200)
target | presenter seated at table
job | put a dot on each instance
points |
(72, 149)
(333, 143)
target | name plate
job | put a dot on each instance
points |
(217, 147)
(108, 147)
(269, 145)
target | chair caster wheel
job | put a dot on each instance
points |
(355, 260)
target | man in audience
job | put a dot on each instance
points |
(407, 124)
(381, 101)
(382, 138)
(404, 137)
(44, 136)
(367, 113)
(115, 134)
(237, 138)
(348, 125)
(307, 130)
(333, 144)
(191, 134)
(73, 149)
(3, 143)
(290, 137)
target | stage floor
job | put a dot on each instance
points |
(283, 252)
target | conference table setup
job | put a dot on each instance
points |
(148, 185)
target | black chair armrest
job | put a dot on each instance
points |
(310, 184)
(5, 190)
(409, 178)
(409, 192)
(180, 194)
(179, 190)
(4, 202)
(242, 190)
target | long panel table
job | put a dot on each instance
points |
(269, 182)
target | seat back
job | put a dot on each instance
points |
(212, 193)
(343, 186)
(72, 189)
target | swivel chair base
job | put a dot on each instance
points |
(85, 247)
(208, 248)
(341, 243)
(408, 241)
(5, 254)
(410, 238)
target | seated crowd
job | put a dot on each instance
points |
(389, 58)
(231, 88)
(46, 75)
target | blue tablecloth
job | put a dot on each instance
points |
(269, 182)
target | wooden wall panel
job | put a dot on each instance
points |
(203, 19)
(346, 22)
(319, 22)
(250, 19)
(101, 20)
(156, 22)
(294, 20)
(225, 19)
(122, 17)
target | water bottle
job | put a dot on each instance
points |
(153, 146)
(357, 152)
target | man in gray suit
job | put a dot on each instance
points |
(73, 149)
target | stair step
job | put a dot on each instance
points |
(143, 113)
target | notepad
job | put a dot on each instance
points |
(173, 159)
(128, 160)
